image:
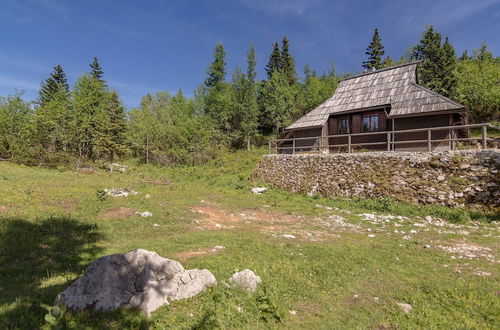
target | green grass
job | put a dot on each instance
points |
(52, 225)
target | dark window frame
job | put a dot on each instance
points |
(343, 126)
(373, 122)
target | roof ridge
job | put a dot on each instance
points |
(382, 70)
(438, 95)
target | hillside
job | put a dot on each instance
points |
(324, 263)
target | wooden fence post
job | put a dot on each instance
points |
(293, 146)
(429, 143)
(485, 137)
(349, 143)
(388, 141)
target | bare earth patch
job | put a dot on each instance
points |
(68, 205)
(276, 224)
(184, 255)
(3, 209)
(119, 213)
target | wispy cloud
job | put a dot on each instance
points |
(18, 83)
(279, 7)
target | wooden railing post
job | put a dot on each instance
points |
(269, 147)
(388, 141)
(485, 137)
(429, 143)
(349, 143)
(293, 146)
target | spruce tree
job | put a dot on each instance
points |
(56, 81)
(110, 136)
(448, 65)
(97, 71)
(375, 51)
(274, 64)
(251, 64)
(464, 56)
(288, 63)
(217, 69)
(437, 70)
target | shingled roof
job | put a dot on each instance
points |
(395, 86)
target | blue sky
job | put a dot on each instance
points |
(147, 46)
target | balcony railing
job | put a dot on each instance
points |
(391, 140)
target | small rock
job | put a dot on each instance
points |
(145, 214)
(376, 298)
(156, 225)
(405, 307)
(292, 312)
(246, 279)
(427, 246)
(259, 190)
(288, 236)
(371, 235)
(441, 178)
(147, 196)
(481, 273)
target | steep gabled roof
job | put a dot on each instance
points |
(395, 86)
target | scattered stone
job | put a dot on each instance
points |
(427, 246)
(440, 178)
(371, 235)
(246, 279)
(147, 196)
(481, 273)
(156, 225)
(376, 298)
(139, 278)
(288, 236)
(292, 312)
(259, 190)
(406, 237)
(145, 214)
(405, 307)
(120, 192)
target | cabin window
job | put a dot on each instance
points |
(370, 123)
(343, 126)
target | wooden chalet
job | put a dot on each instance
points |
(367, 111)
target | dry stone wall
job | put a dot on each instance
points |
(453, 178)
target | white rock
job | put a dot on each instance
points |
(289, 236)
(156, 225)
(147, 196)
(246, 279)
(259, 190)
(371, 235)
(292, 312)
(405, 307)
(145, 214)
(139, 278)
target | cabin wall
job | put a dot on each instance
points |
(423, 122)
(303, 146)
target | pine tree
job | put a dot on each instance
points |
(483, 54)
(56, 81)
(110, 136)
(274, 64)
(449, 63)
(97, 71)
(465, 56)
(375, 51)
(251, 64)
(437, 70)
(288, 63)
(388, 62)
(217, 69)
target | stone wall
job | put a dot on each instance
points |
(452, 178)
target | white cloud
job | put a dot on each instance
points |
(18, 83)
(282, 7)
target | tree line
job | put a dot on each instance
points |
(87, 122)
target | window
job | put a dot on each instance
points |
(370, 123)
(343, 126)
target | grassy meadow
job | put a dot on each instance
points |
(324, 263)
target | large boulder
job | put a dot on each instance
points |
(246, 279)
(139, 278)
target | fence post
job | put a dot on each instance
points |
(349, 143)
(269, 143)
(485, 137)
(429, 144)
(293, 146)
(388, 141)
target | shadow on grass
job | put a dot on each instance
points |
(38, 260)
(32, 254)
